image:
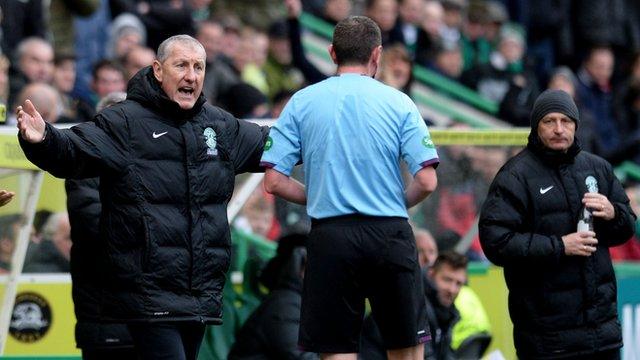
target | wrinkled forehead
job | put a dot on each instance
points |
(183, 49)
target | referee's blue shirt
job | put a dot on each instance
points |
(350, 131)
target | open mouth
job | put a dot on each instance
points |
(186, 90)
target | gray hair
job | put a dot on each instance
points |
(22, 47)
(111, 99)
(163, 49)
(52, 224)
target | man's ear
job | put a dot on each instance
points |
(332, 53)
(157, 70)
(376, 54)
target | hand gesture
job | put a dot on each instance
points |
(5, 197)
(30, 123)
(582, 243)
(599, 204)
(294, 8)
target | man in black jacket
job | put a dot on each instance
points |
(167, 163)
(562, 287)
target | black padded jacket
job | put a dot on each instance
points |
(166, 176)
(560, 305)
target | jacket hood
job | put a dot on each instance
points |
(145, 89)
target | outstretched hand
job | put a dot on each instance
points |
(5, 197)
(30, 123)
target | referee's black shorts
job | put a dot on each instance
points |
(354, 257)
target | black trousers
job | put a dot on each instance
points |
(170, 341)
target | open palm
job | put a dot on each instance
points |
(5, 197)
(30, 123)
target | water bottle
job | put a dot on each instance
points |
(585, 223)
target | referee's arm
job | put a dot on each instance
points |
(424, 183)
(281, 185)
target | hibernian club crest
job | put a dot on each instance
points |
(592, 184)
(210, 138)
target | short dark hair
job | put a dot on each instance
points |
(453, 259)
(354, 38)
(107, 64)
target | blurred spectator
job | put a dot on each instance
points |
(311, 73)
(426, 246)
(271, 332)
(161, 18)
(210, 33)
(21, 20)
(454, 17)
(564, 79)
(250, 57)
(52, 254)
(615, 141)
(448, 61)
(137, 58)
(231, 36)
(64, 77)
(496, 16)
(547, 24)
(126, 32)
(4, 79)
(108, 77)
(220, 75)
(279, 70)
(336, 10)
(34, 63)
(385, 14)
(8, 232)
(245, 102)
(91, 35)
(430, 33)
(395, 68)
(613, 23)
(506, 79)
(471, 334)
(411, 14)
(46, 97)
(60, 17)
(476, 49)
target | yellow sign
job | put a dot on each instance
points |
(43, 320)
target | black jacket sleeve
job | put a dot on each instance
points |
(85, 150)
(619, 229)
(248, 145)
(502, 227)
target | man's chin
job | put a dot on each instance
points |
(186, 105)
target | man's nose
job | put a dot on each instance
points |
(559, 127)
(190, 75)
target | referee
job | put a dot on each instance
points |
(350, 131)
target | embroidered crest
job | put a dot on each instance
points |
(592, 184)
(210, 138)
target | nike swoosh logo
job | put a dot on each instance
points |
(544, 191)
(155, 136)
